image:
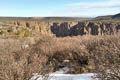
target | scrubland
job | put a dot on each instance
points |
(82, 54)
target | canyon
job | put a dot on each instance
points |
(58, 29)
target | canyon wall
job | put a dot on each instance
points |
(59, 29)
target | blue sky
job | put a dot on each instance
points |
(70, 8)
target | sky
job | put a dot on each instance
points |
(59, 8)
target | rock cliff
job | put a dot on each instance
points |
(59, 29)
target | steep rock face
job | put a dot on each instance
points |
(60, 29)
(84, 28)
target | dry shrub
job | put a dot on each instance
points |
(7, 48)
(82, 54)
(9, 66)
(105, 53)
(41, 58)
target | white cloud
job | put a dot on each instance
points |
(104, 4)
(91, 9)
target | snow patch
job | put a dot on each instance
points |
(60, 75)
(66, 77)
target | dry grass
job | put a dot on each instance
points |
(8, 48)
(50, 53)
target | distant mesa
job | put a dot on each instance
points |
(104, 17)
(108, 17)
(117, 16)
(43, 19)
(57, 19)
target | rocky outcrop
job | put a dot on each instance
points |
(84, 28)
(59, 29)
